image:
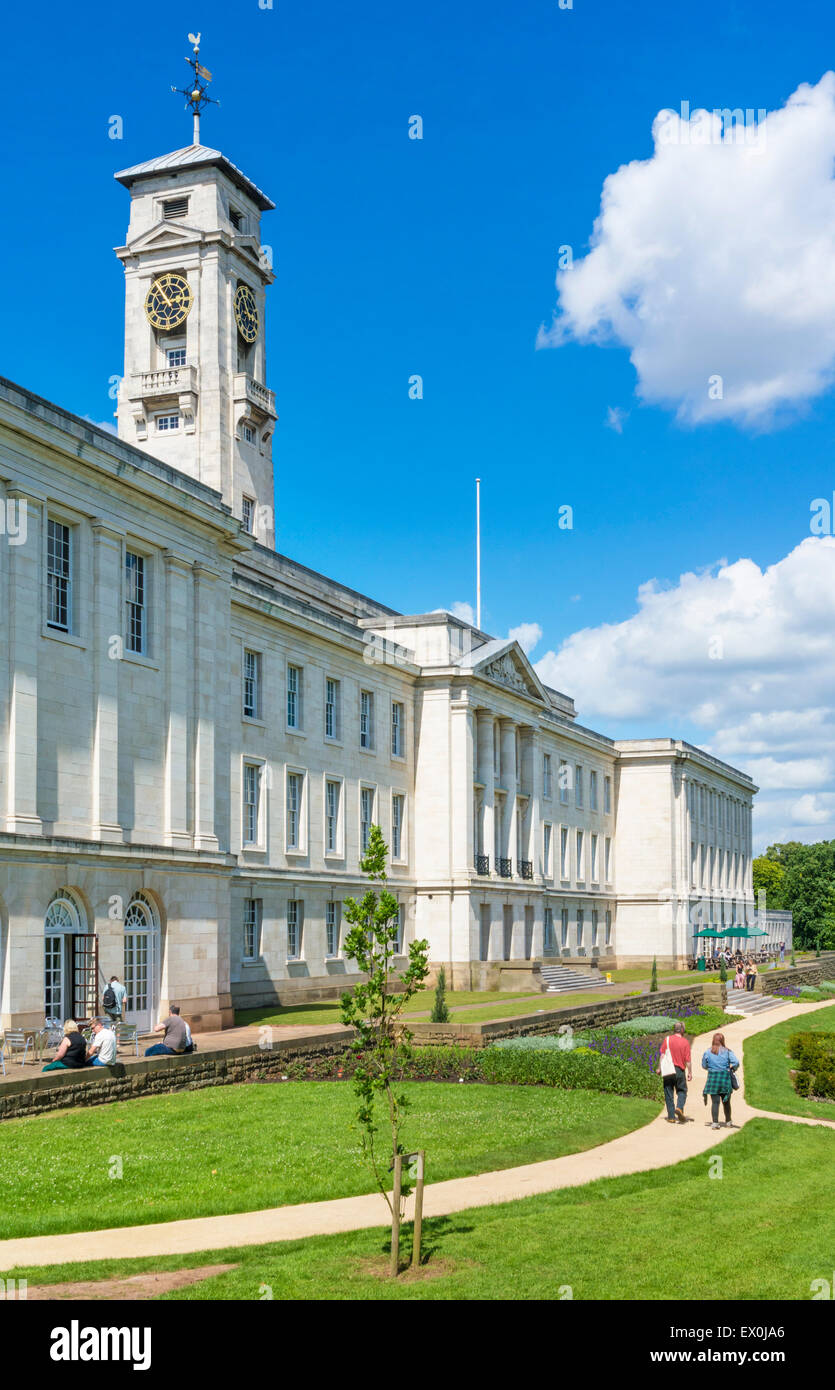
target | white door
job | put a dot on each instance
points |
(142, 1001)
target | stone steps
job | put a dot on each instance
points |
(562, 979)
(749, 1004)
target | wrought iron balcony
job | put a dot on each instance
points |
(505, 867)
(482, 863)
(526, 868)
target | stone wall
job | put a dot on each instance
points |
(823, 968)
(149, 1076)
(578, 1016)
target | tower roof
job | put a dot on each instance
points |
(195, 157)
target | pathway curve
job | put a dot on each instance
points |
(656, 1145)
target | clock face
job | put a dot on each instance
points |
(246, 313)
(168, 301)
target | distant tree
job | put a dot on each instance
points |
(440, 1012)
(806, 889)
(653, 982)
(769, 878)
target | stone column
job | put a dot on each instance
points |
(508, 745)
(108, 635)
(23, 624)
(485, 774)
(461, 786)
(206, 675)
(538, 943)
(177, 668)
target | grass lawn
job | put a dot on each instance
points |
(612, 1239)
(512, 1007)
(330, 1011)
(241, 1148)
(768, 1085)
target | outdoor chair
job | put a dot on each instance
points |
(53, 1032)
(16, 1040)
(127, 1034)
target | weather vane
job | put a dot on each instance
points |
(196, 95)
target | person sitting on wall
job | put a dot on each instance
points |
(175, 1037)
(72, 1052)
(102, 1045)
(739, 977)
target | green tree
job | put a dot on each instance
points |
(440, 1012)
(374, 1009)
(653, 980)
(769, 878)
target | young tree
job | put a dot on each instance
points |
(440, 1012)
(374, 1009)
(653, 983)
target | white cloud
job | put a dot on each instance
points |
(528, 635)
(461, 610)
(766, 704)
(716, 258)
(102, 424)
(615, 418)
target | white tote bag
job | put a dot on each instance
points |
(668, 1066)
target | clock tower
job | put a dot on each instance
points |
(193, 391)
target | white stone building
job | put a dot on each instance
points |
(196, 732)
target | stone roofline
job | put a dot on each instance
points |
(677, 748)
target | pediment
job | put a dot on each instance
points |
(507, 665)
(165, 236)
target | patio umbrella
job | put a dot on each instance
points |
(709, 931)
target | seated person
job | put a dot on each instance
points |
(102, 1045)
(175, 1037)
(72, 1051)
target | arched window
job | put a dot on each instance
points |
(142, 952)
(140, 915)
(62, 922)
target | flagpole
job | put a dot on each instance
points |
(478, 552)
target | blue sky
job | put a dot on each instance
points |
(435, 257)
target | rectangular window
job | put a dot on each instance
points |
(607, 795)
(295, 919)
(366, 719)
(593, 791)
(397, 802)
(252, 684)
(252, 928)
(546, 850)
(166, 424)
(294, 807)
(398, 923)
(565, 783)
(607, 859)
(564, 927)
(396, 729)
(578, 785)
(59, 575)
(332, 924)
(247, 513)
(580, 926)
(175, 357)
(594, 921)
(135, 616)
(694, 863)
(546, 776)
(580, 874)
(564, 867)
(332, 791)
(594, 874)
(548, 943)
(252, 793)
(248, 434)
(366, 816)
(332, 702)
(294, 697)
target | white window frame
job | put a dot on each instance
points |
(252, 927)
(593, 789)
(175, 347)
(367, 732)
(607, 859)
(401, 857)
(578, 786)
(564, 928)
(398, 729)
(372, 791)
(68, 579)
(256, 678)
(336, 706)
(565, 854)
(594, 867)
(579, 849)
(300, 847)
(295, 922)
(333, 929)
(248, 514)
(547, 777)
(248, 434)
(297, 726)
(565, 782)
(547, 848)
(163, 422)
(257, 764)
(338, 851)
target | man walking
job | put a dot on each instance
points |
(675, 1054)
(113, 999)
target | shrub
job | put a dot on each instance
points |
(644, 1023)
(812, 1050)
(653, 983)
(440, 1012)
(828, 986)
(577, 1070)
(537, 1042)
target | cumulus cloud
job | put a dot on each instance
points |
(528, 635)
(745, 655)
(461, 610)
(714, 263)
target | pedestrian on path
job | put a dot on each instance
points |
(720, 1064)
(675, 1056)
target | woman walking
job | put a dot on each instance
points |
(720, 1064)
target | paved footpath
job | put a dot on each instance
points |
(654, 1146)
